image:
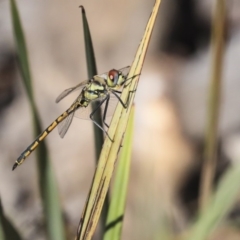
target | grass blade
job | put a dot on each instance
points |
(119, 193)
(92, 70)
(47, 182)
(225, 196)
(7, 230)
(218, 42)
(98, 133)
(110, 149)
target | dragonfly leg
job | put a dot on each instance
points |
(94, 111)
(125, 105)
(105, 111)
(129, 79)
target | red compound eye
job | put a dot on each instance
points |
(113, 76)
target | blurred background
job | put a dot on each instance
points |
(170, 107)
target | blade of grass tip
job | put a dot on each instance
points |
(221, 202)
(110, 149)
(119, 194)
(98, 133)
(47, 182)
(7, 230)
(92, 71)
(218, 42)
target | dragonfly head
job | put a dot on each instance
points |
(115, 78)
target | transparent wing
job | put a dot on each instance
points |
(125, 70)
(65, 124)
(84, 113)
(70, 90)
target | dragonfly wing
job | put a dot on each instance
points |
(113, 101)
(70, 90)
(65, 124)
(125, 70)
(84, 113)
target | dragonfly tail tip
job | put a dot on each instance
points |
(14, 166)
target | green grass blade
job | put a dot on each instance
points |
(7, 230)
(52, 205)
(21, 48)
(98, 133)
(225, 196)
(90, 56)
(110, 149)
(92, 71)
(119, 193)
(2, 236)
(47, 182)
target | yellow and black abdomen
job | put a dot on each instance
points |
(43, 135)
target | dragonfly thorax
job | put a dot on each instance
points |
(94, 90)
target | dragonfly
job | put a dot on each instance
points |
(99, 88)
